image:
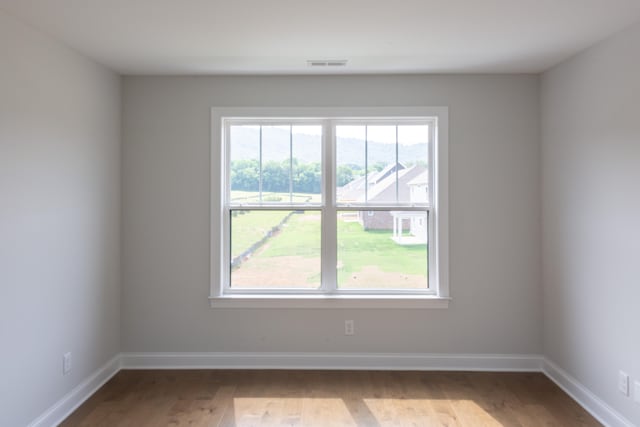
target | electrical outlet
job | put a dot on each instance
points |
(349, 328)
(66, 363)
(623, 383)
(636, 391)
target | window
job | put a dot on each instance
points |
(329, 205)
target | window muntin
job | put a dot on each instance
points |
(408, 143)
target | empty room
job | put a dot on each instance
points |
(329, 213)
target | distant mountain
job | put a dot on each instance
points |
(307, 148)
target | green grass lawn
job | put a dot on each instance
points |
(251, 226)
(299, 236)
(357, 249)
(248, 227)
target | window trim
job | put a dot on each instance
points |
(438, 294)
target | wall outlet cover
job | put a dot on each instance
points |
(349, 327)
(623, 383)
(66, 363)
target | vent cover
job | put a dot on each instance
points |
(327, 62)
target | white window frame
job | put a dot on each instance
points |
(328, 296)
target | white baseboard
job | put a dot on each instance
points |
(589, 401)
(351, 361)
(334, 361)
(69, 402)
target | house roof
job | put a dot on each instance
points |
(390, 168)
(355, 189)
(385, 190)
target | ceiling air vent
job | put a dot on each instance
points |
(327, 62)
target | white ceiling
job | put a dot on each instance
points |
(279, 36)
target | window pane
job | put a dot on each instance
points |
(245, 163)
(307, 164)
(396, 160)
(350, 162)
(382, 250)
(381, 164)
(413, 180)
(275, 249)
(276, 164)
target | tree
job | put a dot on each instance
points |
(245, 175)
(275, 177)
(344, 175)
(306, 177)
(377, 167)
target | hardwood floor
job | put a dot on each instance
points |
(328, 398)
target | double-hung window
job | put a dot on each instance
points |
(329, 206)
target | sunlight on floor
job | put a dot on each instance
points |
(431, 412)
(291, 411)
(325, 411)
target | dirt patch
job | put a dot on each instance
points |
(372, 276)
(304, 273)
(309, 217)
(278, 272)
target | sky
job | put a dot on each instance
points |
(407, 135)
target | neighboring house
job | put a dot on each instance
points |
(382, 189)
(419, 188)
(418, 224)
(354, 191)
(412, 185)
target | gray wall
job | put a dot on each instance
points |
(59, 219)
(591, 187)
(494, 204)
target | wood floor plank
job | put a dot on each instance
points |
(234, 398)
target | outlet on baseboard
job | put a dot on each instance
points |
(66, 363)
(623, 383)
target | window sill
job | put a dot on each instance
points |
(330, 302)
